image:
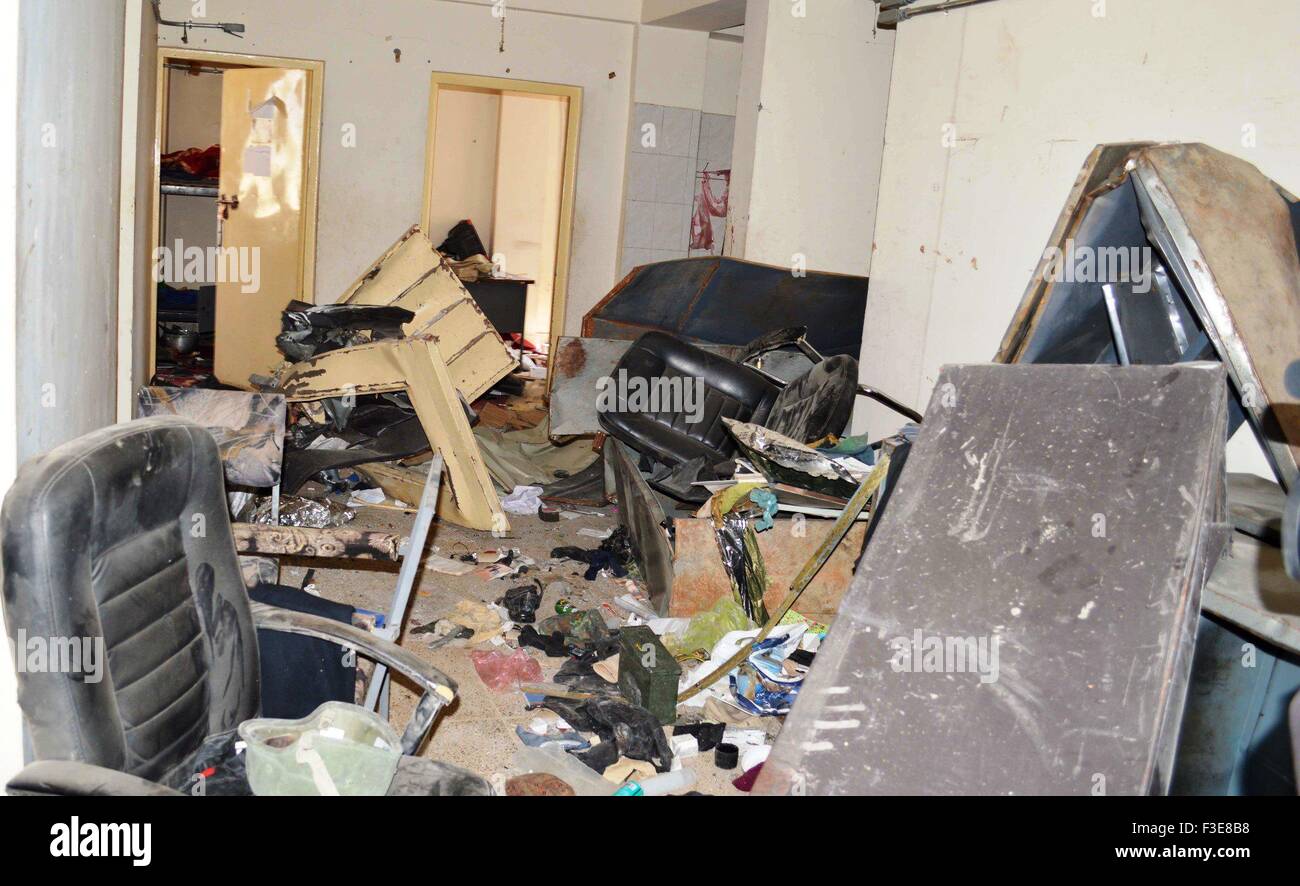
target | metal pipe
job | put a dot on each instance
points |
(234, 29)
(406, 575)
(891, 16)
(190, 69)
(1116, 331)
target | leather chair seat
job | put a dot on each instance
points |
(817, 404)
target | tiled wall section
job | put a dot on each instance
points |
(661, 179)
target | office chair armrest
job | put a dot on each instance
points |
(71, 778)
(439, 689)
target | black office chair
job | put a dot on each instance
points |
(679, 445)
(123, 537)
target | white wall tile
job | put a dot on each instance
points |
(639, 225)
(680, 134)
(643, 114)
(642, 176)
(671, 226)
(673, 180)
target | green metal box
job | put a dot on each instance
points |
(647, 673)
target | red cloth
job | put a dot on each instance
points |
(708, 207)
(196, 162)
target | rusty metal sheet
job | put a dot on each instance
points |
(1024, 617)
(1225, 261)
(699, 579)
(1232, 233)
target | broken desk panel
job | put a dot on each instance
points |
(414, 365)
(1023, 619)
(728, 301)
(414, 276)
(1222, 282)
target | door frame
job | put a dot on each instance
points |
(311, 161)
(568, 186)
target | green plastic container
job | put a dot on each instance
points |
(338, 750)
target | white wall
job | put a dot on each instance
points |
(810, 134)
(135, 227)
(465, 162)
(1030, 87)
(530, 178)
(69, 149)
(682, 79)
(678, 68)
(370, 193)
(671, 67)
(722, 75)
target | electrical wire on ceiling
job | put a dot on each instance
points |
(234, 29)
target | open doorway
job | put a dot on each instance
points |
(502, 155)
(234, 220)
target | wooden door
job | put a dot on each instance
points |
(263, 147)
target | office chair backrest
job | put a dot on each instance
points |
(119, 566)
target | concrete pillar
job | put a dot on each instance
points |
(810, 125)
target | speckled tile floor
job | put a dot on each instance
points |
(478, 731)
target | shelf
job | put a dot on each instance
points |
(189, 190)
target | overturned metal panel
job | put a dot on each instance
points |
(1218, 278)
(728, 301)
(1023, 619)
(700, 579)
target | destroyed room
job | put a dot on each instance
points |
(620, 398)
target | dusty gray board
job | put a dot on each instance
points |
(990, 533)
